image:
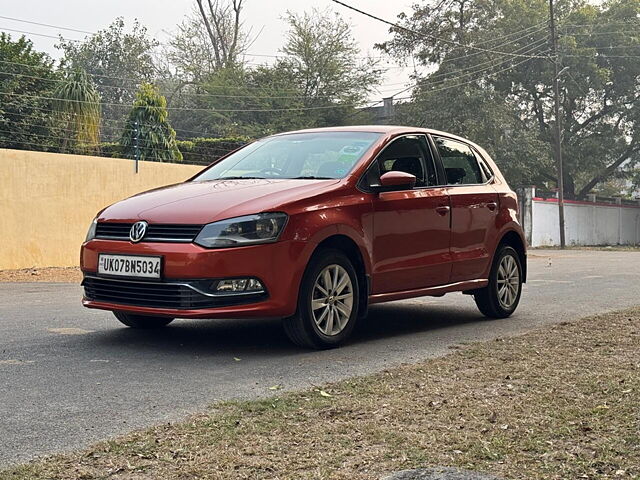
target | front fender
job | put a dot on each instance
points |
(314, 227)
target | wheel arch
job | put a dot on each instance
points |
(350, 248)
(513, 239)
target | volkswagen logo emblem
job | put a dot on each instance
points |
(138, 231)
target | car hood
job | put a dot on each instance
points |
(204, 202)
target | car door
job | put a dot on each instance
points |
(410, 227)
(474, 206)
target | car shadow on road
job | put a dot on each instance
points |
(399, 319)
(265, 337)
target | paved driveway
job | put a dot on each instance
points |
(70, 376)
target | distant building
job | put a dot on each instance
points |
(383, 114)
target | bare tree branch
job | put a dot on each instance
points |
(634, 147)
(212, 37)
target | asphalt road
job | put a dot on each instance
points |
(71, 376)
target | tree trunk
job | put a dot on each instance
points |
(633, 148)
(569, 187)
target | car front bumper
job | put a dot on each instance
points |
(186, 268)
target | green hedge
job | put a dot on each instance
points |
(200, 151)
(203, 151)
(110, 149)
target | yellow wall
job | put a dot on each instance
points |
(47, 201)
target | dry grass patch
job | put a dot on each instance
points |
(558, 403)
(49, 274)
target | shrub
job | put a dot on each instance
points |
(203, 151)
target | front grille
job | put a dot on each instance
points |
(157, 294)
(156, 232)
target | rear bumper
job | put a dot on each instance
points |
(279, 266)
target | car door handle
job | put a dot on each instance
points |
(443, 209)
(492, 206)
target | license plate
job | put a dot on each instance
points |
(129, 265)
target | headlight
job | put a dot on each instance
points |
(91, 234)
(240, 231)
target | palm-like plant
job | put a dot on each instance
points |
(77, 103)
(147, 134)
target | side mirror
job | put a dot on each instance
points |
(395, 180)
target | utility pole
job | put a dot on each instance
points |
(136, 145)
(558, 126)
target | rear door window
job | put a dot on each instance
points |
(459, 162)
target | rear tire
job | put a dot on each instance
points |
(327, 303)
(142, 321)
(500, 298)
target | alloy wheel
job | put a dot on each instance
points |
(508, 281)
(332, 300)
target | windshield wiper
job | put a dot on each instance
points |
(312, 177)
(239, 177)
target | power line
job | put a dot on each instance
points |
(137, 80)
(207, 95)
(578, 25)
(60, 37)
(529, 48)
(451, 59)
(212, 110)
(472, 80)
(58, 27)
(259, 88)
(542, 25)
(607, 47)
(39, 34)
(113, 138)
(526, 48)
(144, 144)
(589, 34)
(426, 35)
(599, 55)
(472, 69)
(49, 148)
(46, 25)
(114, 123)
(72, 137)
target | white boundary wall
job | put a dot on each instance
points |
(586, 223)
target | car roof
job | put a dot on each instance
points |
(391, 130)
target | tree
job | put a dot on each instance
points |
(190, 51)
(322, 58)
(26, 80)
(483, 115)
(319, 81)
(147, 134)
(499, 51)
(118, 62)
(211, 38)
(77, 103)
(207, 47)
(222, 21)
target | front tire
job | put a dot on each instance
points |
(327, 303)
(500, 298)
(142, 321)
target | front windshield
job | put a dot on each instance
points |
(322, 155)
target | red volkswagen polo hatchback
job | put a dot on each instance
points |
(313, 227)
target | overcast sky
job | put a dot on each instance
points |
(161, 16)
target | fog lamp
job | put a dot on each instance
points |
(236, 285)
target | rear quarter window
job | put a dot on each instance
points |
(459, 162)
